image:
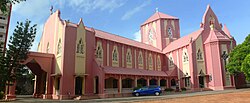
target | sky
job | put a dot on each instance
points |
(124, 17)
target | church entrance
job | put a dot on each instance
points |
(78, 85)
(201, 81)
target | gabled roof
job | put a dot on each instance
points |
(216, 35)
(133, 71)
(225, 29)
(182, 41)
(123, 40)
(159, 15)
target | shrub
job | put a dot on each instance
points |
(1, 95)
(169, 89)
(183, 89)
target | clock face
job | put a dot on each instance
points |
(150, 35)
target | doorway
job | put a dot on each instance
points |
(201, 82)
(96, 85)
(78, 85)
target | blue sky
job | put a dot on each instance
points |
(124, 17)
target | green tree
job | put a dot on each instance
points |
(238, 57)
(4, 4)
(19, 45)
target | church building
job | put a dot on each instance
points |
(89, 62)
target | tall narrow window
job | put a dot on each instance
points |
(115, 57)
(99, 50)
(140, 60)
(199, 55)
(80, 47)
(158, 62)
(185, 57)
(47, 50)
(59, 46)
(171, 61)
(170, 35)
(150, 61)
(129, 58)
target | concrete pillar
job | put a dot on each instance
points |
(159, 82)
(167, 84)
(120, 85)
(135, 81)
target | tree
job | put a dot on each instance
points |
(238, 57)
(246, 67)
(19, 46)
(4, 7)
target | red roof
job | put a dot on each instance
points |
(123, 40)
(216, 35)
(132, 71)
(159, 15)
(225, 29)
(182, 41)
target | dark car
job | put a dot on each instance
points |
(148, 90)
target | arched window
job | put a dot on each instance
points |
(171, 61)
(80, 48)
(150, 61)
(47, 50)
(140, 60)
(158, 62)
(185, 57)
(170, 34)
(59, 46)
(128, 57)
(199, 55)
(99, 50)
(115, 57)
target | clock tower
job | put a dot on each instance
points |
(160, 30)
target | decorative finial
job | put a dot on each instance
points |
(156, 10)
(51, 10)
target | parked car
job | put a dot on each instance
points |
(148, 90)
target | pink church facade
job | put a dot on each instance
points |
(91, 62)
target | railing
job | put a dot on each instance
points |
(111, 90)
(127, 90)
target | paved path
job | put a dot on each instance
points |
(27, 99)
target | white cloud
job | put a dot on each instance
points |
(137, 36)
(87, 6)
(135, 10)
(32, 9)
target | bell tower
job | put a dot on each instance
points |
(160, 30)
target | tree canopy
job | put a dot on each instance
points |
(19, 45)
(239, 57)
(4, 4)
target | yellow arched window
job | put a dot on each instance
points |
(185, 57)
(115, 57)
(170, 61)
(59, 46)
(140, 60)
(199, 55)
(150, 62)
(47, 49)
(158, 63)
(129, 58)
(80, 47)
(99, 51)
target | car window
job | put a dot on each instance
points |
(144, 88)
